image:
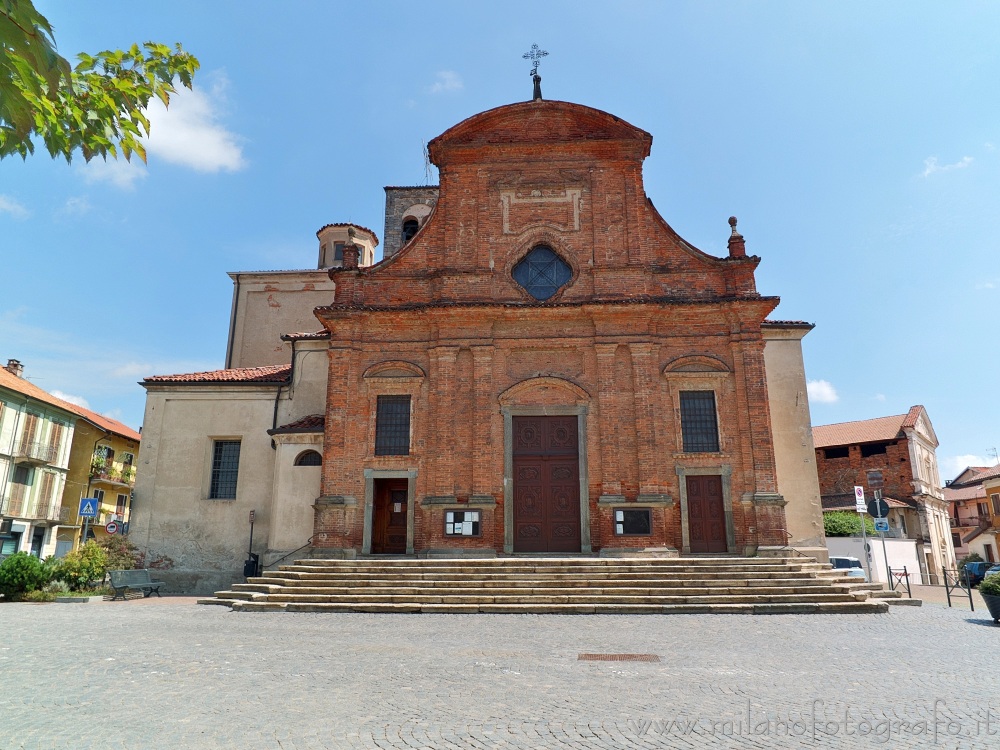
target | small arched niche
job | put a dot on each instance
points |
(309, 458)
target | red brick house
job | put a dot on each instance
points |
(542, 366)
(897, 457)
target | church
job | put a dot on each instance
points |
(539, 365)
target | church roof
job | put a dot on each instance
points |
(266, 374)
(312, 423)
(301, 336)
(865, 430)
(346, 224)
(541, 121)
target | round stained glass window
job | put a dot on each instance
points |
(542, 273)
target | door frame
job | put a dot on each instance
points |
(724, 471)
(411, 488)
(509, 412)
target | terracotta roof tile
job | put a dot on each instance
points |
(344, 224)
(797, 323)
(20, 385)
(971, 492)
(267, 374)
(300, 336)
(863, 431)
(846, 502)
(312, 423)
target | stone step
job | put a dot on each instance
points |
(542, 561)
(566, 599)
(535, 591)
(541, 576)
(533, 568)
(865, 607)
(265, 584)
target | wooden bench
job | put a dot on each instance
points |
(139, 580)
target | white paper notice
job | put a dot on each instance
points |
(467, 528)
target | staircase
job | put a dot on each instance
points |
(579, 585)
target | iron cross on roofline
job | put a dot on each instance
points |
(535, 55)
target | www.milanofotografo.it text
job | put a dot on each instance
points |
(933, 722)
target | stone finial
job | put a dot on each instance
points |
(737, 247)
(537, 93)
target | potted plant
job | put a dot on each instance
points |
(989, 589)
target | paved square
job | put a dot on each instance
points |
(172, 674)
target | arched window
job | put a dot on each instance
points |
(541, 272)
(410, 227)
(309, 458)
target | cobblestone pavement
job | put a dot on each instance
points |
(172, 674)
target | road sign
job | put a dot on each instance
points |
(88, 507)
(859, 499)
(112, 527)
(878, 508)
(881, 524)
(253, 514)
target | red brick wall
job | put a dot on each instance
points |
(840, 475)
(640, 299)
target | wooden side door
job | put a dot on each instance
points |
(706, 514)
(389, 517)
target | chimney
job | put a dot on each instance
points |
(14, 367)
(737, 247)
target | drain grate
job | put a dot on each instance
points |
(617, 657)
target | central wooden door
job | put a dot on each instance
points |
(546, 452)
(389, 517)
(706, 514)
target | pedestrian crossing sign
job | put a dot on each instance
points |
(88, 507)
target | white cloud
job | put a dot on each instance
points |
(880, 397)
(988, 284)
(189, 133)
(447, 80)
(10, 206)
(822, 392)
(990, 147)
(78, 400)
(120, 173)
(931, 165)
(76, 206)
(951, 466)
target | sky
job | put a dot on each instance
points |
(857, 142)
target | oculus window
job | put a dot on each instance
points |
(225, 468)
(699, 427)
(392, 426)
(542, 273)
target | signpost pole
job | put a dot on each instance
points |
(859, 504)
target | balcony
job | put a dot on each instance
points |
(36, 454)
(124, 477)
(970, 523)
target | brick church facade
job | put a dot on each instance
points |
(539, 364)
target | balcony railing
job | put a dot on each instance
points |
(971, 522)
(124, 476)
(38, 453)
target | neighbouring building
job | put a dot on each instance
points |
(52, 455)
(539, 365)
(974, 500)
(897, 457)
(36, 431)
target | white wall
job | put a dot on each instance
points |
(901, 552)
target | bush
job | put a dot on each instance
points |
(79, 568)
(846, 523)
(990, 585)
(22, 573)
(120, 552)
(971, 557)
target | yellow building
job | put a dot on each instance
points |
(102, 465)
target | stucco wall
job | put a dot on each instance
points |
(203, 542)
(794, 455)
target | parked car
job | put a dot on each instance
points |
(975, 572)
(851, 566)
(993, 570)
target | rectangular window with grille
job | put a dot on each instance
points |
(699, 427)
(995, 497)
(392, 426)
(225, 467)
